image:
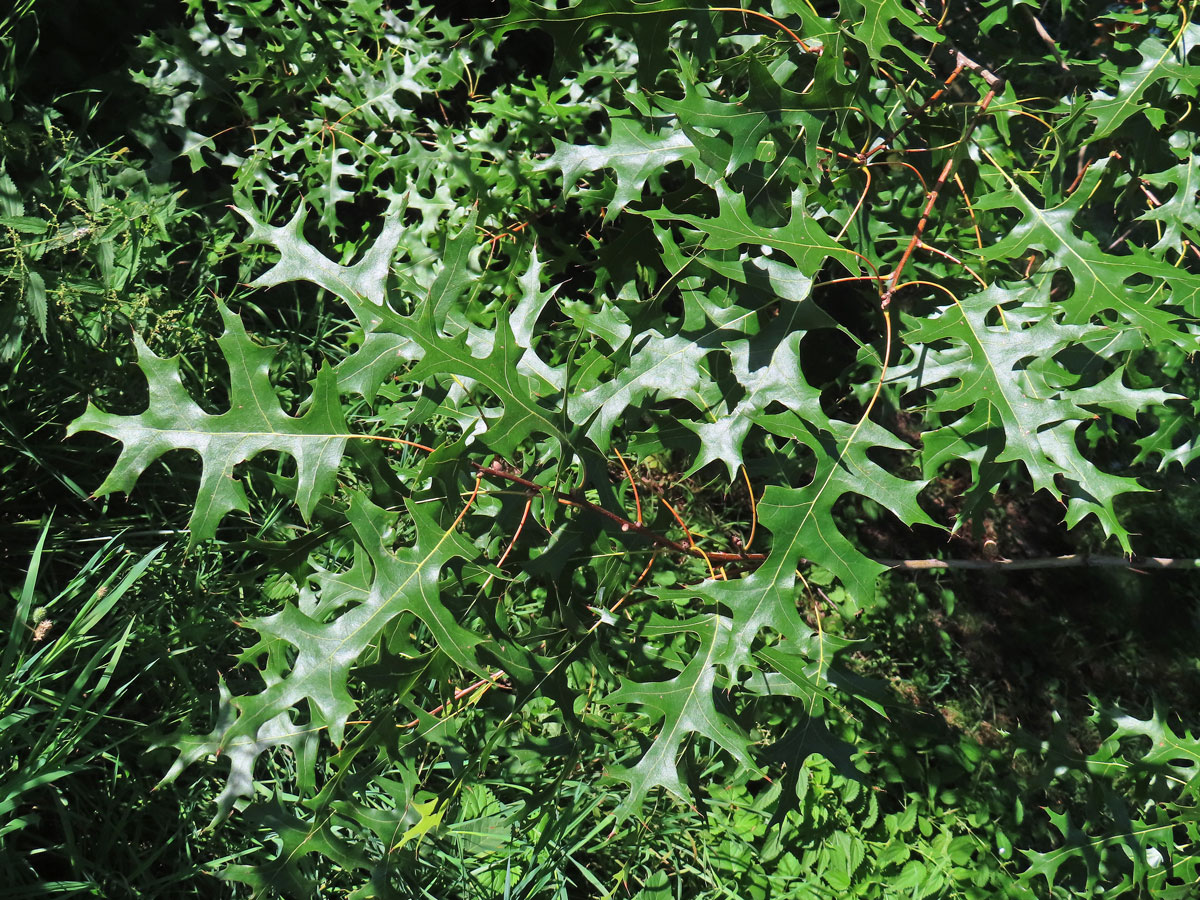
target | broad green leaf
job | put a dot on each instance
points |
(649, 21)
(35, 299)
(297, 840)
(300, 261)
(336, 166)
(525, 413)
(1144, 842)
(802, 519)
(683, 706)
(1158, 63)
(767, 107)
(996, 365)
(432, 813)
(1103, 281)
(665, 367)
(1120, 847)
(632, 153)
(801, 238)
(309, 655)
(254, 422)
(392, 340)
(1182, 209)
(875, 28)
(1174, 440)
(776, 381)
(12, 207)
(1174, 756)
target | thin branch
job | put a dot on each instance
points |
(498, 470)
(995, 85)
(1046, 39)
(494, 680)
(917, 110)
(637, 501)
(1073, 561)
(795, 37)
(948, 169)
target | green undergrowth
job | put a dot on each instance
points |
(507, 420)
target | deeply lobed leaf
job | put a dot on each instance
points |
(255, 422)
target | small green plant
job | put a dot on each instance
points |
(657, 326)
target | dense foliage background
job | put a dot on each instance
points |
(600, 449)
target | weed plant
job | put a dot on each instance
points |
(556, 386)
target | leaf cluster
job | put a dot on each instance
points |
(655, 326)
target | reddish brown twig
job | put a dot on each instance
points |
(948, 169)
(498, 470)
(666, 543)
(795, 37)
(637, 501)
(491, 681)
(886, 142)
